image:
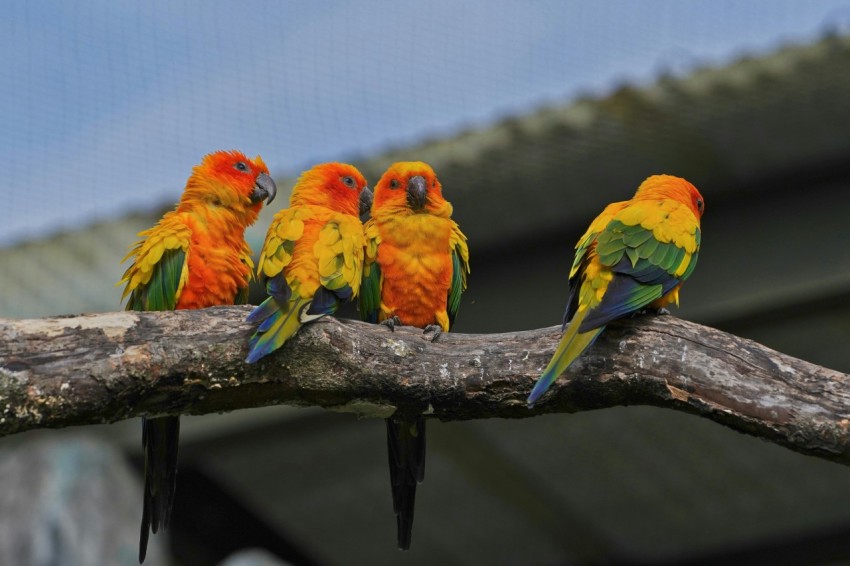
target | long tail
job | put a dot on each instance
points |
(572, 344)
(277, 325)
(406, 450)
(160, 437)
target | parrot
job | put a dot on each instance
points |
(312, 258)
(195, 257)
(415, 271)
(634, 256)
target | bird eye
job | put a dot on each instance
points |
(700, 205)
(348, 182)
(240, 166)
(394, 184)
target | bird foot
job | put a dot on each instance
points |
(391, 322)
(435, 328)
(651, 310)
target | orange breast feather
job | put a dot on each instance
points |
(416, 265)
(217, 266)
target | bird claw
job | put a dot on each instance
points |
(435, 328)
(391, 322)
(651, 310)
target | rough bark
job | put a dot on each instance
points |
(101, 368)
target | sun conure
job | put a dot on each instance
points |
(635, 255)
(195, 257)
(312, 259)
(414, 274)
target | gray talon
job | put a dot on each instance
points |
(435, 328)
(391, 322)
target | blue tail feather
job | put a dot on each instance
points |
(270, 320)
(278, 288)
(278, 326)
(266, 309)
(324, 302)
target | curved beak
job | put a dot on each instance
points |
(417, 192)
(264, 188)
(365, 204)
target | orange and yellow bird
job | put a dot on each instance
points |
(195, 257)
(414, 274)
(312, 259)
(635, 255)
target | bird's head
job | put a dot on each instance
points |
(677, 188)
(410, 187)
(338, 186)
(228, 180)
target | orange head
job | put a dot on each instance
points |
(670, 187)
(229, 181)
(410, 187)
(338, 186)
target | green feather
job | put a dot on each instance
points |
(241, 297)
(370, 293)
(609, 244)
(643, 295)
(669, 259)
(160, 293)
(635, 236)
(657, 257)
(677, 260)
(633, 255)
(571, 346)
(648, 248)
(458, 285)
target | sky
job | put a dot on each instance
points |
(107, 105)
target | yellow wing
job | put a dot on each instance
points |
(339, 250)
(285, 230)
(318, 277)
(160, 266)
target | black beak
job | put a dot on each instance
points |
(264, 188)
(417, 192)
(365, 204)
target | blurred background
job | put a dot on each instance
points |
(535, 115)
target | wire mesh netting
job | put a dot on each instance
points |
(538, 113)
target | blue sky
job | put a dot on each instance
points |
(106, 105)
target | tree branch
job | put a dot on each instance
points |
(102, 368)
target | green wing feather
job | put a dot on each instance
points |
(370, 293)
(241, 297)
(460, 268)
(160, 292)
(644, 271)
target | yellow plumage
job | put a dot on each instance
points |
(635, 254)
(312, 257)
